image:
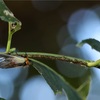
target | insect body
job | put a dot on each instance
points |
(10, 61)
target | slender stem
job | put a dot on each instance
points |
(96, 63)
(74, 60)
(9, 38)
(55, 57)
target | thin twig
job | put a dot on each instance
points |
(50, 56)
(55, 57)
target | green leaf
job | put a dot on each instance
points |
(12, 50)
(56, 82)
(95, 44)
(6, 14)
(83, 90)
(2, 99)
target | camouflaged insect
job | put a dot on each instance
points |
(10, 61)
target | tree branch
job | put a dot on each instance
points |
(33, 55)
(56, 57)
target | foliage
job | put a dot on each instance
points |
(6, 14)
(2, 99)
(56, 81)
(95, 44)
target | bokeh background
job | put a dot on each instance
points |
(54, 27)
